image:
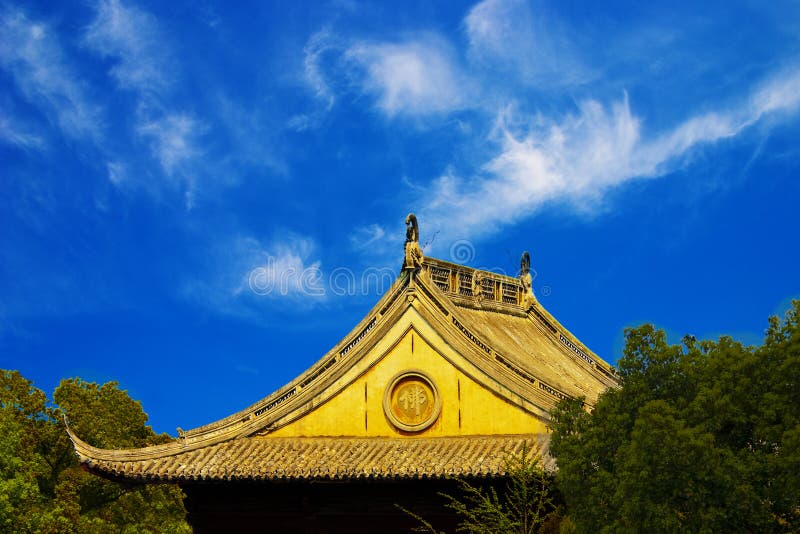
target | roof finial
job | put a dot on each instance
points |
(414, 257)
(412, 228)
(528, 299)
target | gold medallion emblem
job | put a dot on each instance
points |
(411, 401)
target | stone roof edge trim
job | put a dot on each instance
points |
(171, 479)
(539, 313)
(85, 452)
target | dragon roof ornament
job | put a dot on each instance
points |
(413, 252)
(527, 280)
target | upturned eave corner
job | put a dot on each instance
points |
(77, 444)
(87, 454)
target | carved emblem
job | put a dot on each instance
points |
(411, 401)
(413, 253)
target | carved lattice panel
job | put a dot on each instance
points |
(510, 292)
(441, 277)
(465, 284)
(488, 288)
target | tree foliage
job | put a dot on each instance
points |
(702, 437)
(524, 504)
(42, 487)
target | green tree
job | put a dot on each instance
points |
(701, 436)
(42, 487)
(524, 504)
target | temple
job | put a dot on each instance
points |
(450, 372)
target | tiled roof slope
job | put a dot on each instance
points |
(265, 458)
(529, 341)
(519, 343)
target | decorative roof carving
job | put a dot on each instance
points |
(525, 264)
(528, 298)
(413, 252)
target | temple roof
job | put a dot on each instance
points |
(489, 327)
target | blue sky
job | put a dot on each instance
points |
(198, 199)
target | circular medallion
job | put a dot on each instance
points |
(412, 402)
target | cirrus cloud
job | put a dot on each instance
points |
(414, 77)
(578, 158)
(34, 56)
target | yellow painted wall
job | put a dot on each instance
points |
(468, 408)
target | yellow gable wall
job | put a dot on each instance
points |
(468, 408)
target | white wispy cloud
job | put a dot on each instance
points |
(577, 158)
(495, 27)
(367, 236)
(533, 155)
(172, 139)
(414, 77)
(507, 35)
(245, 274)
(779, 93)
(32, 53)
(320, 49)
(16, 134)
(131, 37)
(143, 64)
(777, 97)
(318, 46)
(286, 270)
(117, 173)
(425, 74)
